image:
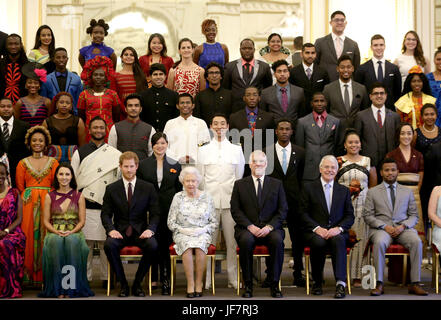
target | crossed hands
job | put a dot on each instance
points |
(394, 231)
(145, 235)
(327, 233)
(259, 232)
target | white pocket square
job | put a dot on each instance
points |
(391, 74)
(321, 80)
(349, 52)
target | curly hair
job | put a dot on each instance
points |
(206, 23)
(101, 23)
(38, 129)
(91, 65)
(59, 95)
(418, 52)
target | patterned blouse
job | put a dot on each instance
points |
(187, 81)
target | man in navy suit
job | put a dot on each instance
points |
(124, 216)
(62, 80)
(258, 206)
(378, 69)
(327, 215)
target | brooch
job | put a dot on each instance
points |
(172, 170)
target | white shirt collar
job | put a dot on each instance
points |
(375, 109)
(334, 36)
(324, 182)
(255, 179)
(126, 183)
(279, 147)
(375, 60)
(306, 67)
(9, 122)
(387, 185)
(182, 118)
(343, 83)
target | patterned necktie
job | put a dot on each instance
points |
(284, 99)
(328, 196)
(392, 195)
(319, 120)
(284, 161)
(308, 73)
(259, 191)
(346, 100)
(6, 131)
(380, 72)
(129, 230)
(379, 120)
(252, 122)
(338, 48)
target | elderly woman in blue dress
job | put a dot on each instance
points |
(192, 220)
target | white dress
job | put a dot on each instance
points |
(404, 63)
(192, 221)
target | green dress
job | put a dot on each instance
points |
(65, 258)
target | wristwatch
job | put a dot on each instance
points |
(341, 229)
(270, 227)
(6, 230)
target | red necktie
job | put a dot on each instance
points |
(284, 99)
(129, 230)
(319, 120)
(379, 120)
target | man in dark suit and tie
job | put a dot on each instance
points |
(317, 134)
(124, 216)
(345, 97)
(378, 69)
(327, 215)
(283, 99)
(288, 165)
(309, 76)
(377, 127)
(331, 47)
(12, 139)
(258, 206)
(244, 72)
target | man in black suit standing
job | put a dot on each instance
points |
(12, 139)
(258, 206)
(327, 215)
(244, 72)
(331, 47)
(283, 99)
(289, 162)
(309, 76)
(378, 69)
(124, 216)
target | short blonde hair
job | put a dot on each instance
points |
(127, 156)
(189, 170)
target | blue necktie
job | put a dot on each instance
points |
(328, 196)
(380, 72)
(60, 74)
(284, 161)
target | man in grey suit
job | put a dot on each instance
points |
(317, 134)
(245, 72)
(331, 47)
(391, 213)
(377, 127)
(283, 99)
(345, 97)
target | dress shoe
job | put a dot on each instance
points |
(190, 295)
(137, 291)
(124, 292)
(416, 289)
(356, 283)
(248, 292)
(197, 294)
(378, 291)
(299, 282)
(165, 289)
(317, 289)
(340, 292)
(266, 283)
(276, 293)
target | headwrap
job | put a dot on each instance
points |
(98, 62)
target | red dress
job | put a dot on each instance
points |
(99, 106)
(145, 61)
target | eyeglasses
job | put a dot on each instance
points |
(213, 72)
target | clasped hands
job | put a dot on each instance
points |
(327, 233)
(145, 235)
(259, 232)
(196, 231)
(394, 231)
(64, 233)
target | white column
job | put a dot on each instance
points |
(425, 27)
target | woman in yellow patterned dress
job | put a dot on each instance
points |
(34, 178)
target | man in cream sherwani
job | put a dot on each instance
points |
(221, 164)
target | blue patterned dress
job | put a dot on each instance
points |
(212, 53)
(435, 86)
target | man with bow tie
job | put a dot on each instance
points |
(62, 80)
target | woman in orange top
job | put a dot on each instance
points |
(34, 178)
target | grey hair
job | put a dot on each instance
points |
(330, 158)
(257, 153)
(189, 170)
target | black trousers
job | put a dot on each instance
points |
(165, 239)
(336, 246)
(112, 247)
(297, 246)
(247, 242)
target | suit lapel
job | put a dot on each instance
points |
(386, 199)
(321, 195)
(135, 194)
(239, 69)
(340, 95)
(273, 94)
(374, 122)
(292, 162)
(68, 81)
(244, 120)
(252, 191)
(55, 82)
(371, 70)
(256, 70)
(265, 189)
(277, 165)
(332, 47)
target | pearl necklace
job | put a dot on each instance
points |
(430, 131)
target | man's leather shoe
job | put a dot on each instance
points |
(340, 292)
(299, 282)
(137, 291)
(248, 292)
(124, 292)
(416, 289)
(165, 289)
(317, 289)
(378, 291)
(266, 283)
(276, 293)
